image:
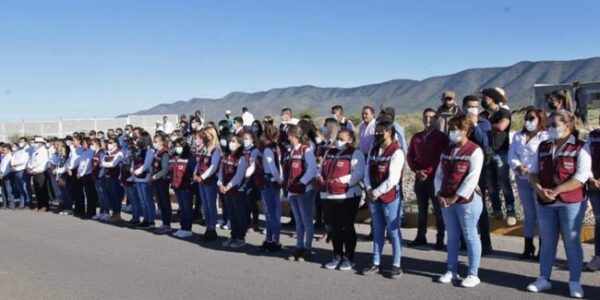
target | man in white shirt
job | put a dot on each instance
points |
(167, 126)
(247, 119)
(23, 180)
(37, 167)
(7, 176)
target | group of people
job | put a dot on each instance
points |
(332, 169)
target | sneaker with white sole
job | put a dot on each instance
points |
(575, 289)
(540, 285)
(470, 281)
(346, 265)
(333, 264)
(594, 264)
(449, 277)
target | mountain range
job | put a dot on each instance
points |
(405, 95)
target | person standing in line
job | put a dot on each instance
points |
(251, 190)
(271, 187)
(160, 181)
(181, 168)
(141, 169)
(98, 176)
(7, 176)
(366, 130)
(206, 176)
(84, 175)
(247, 119)
(36, 168)
(19, 165)
(111, 164)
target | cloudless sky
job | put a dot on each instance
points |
(85, 58)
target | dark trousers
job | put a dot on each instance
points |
(196, 201)
(253, 196)
(113, 187)
(340, 215)
(75, 189)
(318, 209)
(425, 191)
(8, 192)
(237, 212)
(40, 186)
(91, 195)
(164, 201)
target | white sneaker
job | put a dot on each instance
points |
(594, 264)
(227, 243)
(185, 234)
(333, 264)
(346, 265)
(540, 285)
(449, 277)
(575, 289)
(470, 281)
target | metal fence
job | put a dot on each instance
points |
(9, 131)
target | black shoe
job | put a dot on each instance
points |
(418, 242)
(291, 223)
(294, 255)
(395, 272)
(486, 250)
(274, 247)
(319, 226)
(369, 237)
(134, 222)
(264, 247)
(439, 245)
(529, 251)
(210, 235)
(144, 225)
(370, 269)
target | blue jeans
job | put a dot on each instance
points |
(134, 199)
(462, 219)
(237, 210)
(528, 200)
(164, 201)
(566, 219)
(103, 196)
(208, 193)
(7, 190)
(386, 215)
(23, 186)
(113, 188)
(498, 173)
(144, 191)
(272, 211)
(595, 199)
(184, 198)
(302, 207)
(67, 201)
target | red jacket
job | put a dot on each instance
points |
(424, 151)
(553, 172)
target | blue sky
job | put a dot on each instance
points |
(102, 58)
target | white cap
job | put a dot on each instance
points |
(227, 112)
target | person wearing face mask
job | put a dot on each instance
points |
(141, 169)
(84, 175)
(498, 170)
(99, 179)
(181, 168)
(111, 163)
(422, 157)
(337, 112)
(300, 168)
(19, 164)
(251, 191)
(522, 152)
(59, 174)
(205, 174)
(7, 177)
(36, 168)
(558, 174)
(338, 181)
(456, 186)
(382, 175)
(127, 181)
(73, 183)
(593, 143)
(160, 181)
(231, 176)
(447, 111)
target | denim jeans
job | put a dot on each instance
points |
(386, 215)
(7, 190)
(237, 210)
(161, 189)
(67, 201)
(528, 199)
(462, 219)
(184, 198)
(595, 199)
(144, 191)
(103, 197)
(302, 206)
(566, 219)
(114, 194)
(498, 174)
(272, 211)
(134, 199)
(23, 186)
(425, 191)
(208, 193)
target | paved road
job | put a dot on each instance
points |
(47, 256)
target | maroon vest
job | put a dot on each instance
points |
(294, 169)
(138, 162)
(336, 164)
(455, 168)
(111, 172)
(553, 172)
(126, 172)
(379, 169)
(180, 173)
(594, 140)
(96, 165)
(229, 166)
(204, 161)
(157, 163)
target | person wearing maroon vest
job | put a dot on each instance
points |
(160, 181)
(111, 164)
(382, 176)
(231, 184)
(98, 175)
(593, 143)
(141, 169)
(300, 168)
(181, 168)
(422, 157)
(457, 188)
(206, 175)
(558, 175)
(342, 169)
(251, 191)
(126, 179)
(270, 184)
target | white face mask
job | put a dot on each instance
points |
(556, 132)
(531, 126)
(248, 144)
(195, 126)
(157, 146)
(223, 142)
(233, 146)
(22, 144)
(111, 147)
(94, 148)
(340, 145)
(472, 111)
(454, 136)
(178, 150)
(319, 139)
(334, 116)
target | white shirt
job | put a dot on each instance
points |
(247, 118)
(270, 166)
(357, 172)
(470, 183)
(395, 172)
(5, 167)
(74, 157)
(168, 127)
(39, 160)
(85, 163)
(21, 158)
(311, 168)
(584, 162)
(251, 163)
(522, 152)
